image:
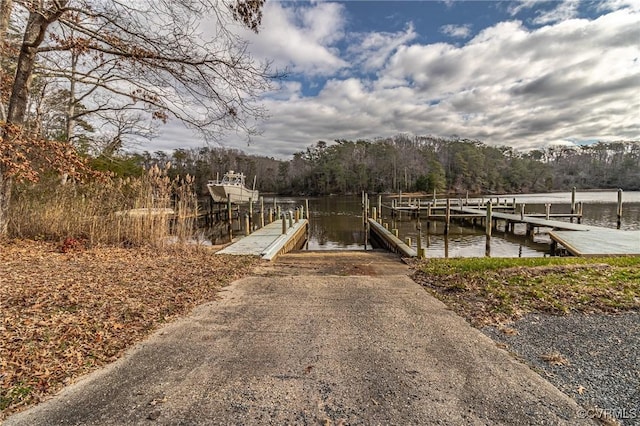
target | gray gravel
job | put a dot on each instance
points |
(603, 354)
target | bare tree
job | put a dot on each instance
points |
(147, 55)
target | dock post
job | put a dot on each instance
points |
(290, 218)
(573, 202)
(380, 206)
(467, 199)
(514, 205)
(247, 225)
(250, 213)
(547, 210)
(579, 211)
(297, 215)
(522, 211)
(261, 211)
(419, 249)
(434, 197)
(487, 250)
(619, 211)
(407, 241)
(279, 212)
(284, 223)
(447, 217)
(306, 208)
(270, 215)
(230, 219)
(374, 214)
(394, 231)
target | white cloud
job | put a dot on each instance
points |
(301, 39)
(373, 49)
(457, 31)
(518, 6)
(567, 9)
(573, 80)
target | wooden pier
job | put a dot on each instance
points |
(599, 242)
(577, 238)
(272, 240)
(389, 240)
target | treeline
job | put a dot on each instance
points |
(419, 163)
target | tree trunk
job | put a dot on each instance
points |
(5, 196)
(34, 34)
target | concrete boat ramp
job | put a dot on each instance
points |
(323, 343)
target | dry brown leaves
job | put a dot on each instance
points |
(64, 314)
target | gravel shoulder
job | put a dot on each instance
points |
(593, 358)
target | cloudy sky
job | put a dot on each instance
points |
(520, 73)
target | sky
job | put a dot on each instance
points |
(526, 74)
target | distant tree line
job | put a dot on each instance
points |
(404, 163)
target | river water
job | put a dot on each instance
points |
(336, 224)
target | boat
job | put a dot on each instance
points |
(232, 188)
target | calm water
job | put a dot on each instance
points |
(336, 223)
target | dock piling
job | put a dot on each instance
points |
(247, 221)
(261, 212)
(284, 223)
(573, 202)
(487, 250)
(619, 210)
(447, 217)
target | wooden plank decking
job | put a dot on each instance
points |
(599, 242)
(533, 220)
(269, 241)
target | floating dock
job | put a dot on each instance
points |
(269, 242)
(599, 242)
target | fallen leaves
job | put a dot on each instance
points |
(65, 314)
(555, 358)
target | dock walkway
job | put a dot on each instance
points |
(580, 240)
(269, 241)
(532, 220)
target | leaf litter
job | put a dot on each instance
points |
(65, 312)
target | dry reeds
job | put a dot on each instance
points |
(149, 210)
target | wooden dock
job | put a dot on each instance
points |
(531, 220)
(599, 242)
(269, 242)
(388, 240)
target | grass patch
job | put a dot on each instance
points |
(497, 290)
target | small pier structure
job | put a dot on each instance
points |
(577, 238)
(276, 238)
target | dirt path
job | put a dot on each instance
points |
(314, 339)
